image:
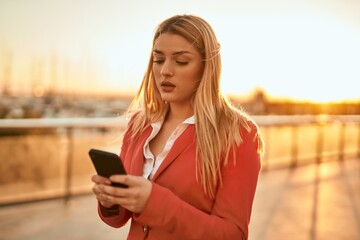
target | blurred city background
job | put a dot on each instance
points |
(69, 69)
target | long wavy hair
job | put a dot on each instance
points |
(217, 122)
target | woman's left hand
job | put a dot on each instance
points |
(133, 198)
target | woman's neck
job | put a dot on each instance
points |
(179, 112)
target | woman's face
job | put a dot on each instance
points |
(177, 68)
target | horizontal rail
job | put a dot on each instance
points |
(262, 120)
(61, 122)
(293, 120)
(266, 121)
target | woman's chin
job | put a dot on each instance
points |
(167, 97)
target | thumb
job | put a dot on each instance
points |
(124, 179)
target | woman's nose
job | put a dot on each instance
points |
(167, 69)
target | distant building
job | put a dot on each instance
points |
(260, 104)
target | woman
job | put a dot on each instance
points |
(192, 158)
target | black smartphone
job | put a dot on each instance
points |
(107, 164)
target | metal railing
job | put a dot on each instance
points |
(296, 121)
(264, 122)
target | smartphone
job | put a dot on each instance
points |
(107, 164)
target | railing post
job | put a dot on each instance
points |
(265, 164)
(358, 146)
(320, 140)
(294, 146)
(342, 142)
(69, 163)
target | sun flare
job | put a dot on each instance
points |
(306, 50)
(301, 57)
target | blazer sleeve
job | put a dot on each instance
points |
(120, 216)
(230, 216)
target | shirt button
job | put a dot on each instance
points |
(145, 228)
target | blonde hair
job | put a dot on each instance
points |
(217, 122)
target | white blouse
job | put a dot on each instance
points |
(151, 163)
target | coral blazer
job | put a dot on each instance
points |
(177, 207)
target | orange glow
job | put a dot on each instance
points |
(292, 49)
(38, 91)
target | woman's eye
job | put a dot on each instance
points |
(182, 62)
(158, 61)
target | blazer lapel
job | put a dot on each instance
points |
(137, 166)
(184, 140)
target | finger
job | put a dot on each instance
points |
(114, 191)
(130, 204)
(100, 180)
(104, 198)
(104, 201)
(96, 189)
(133, 198)
(106, 204)
(128, 180)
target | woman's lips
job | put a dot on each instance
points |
(167, 86)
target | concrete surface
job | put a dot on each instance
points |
(314, 202)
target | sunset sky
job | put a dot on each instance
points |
(304, 49)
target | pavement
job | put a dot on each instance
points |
(312, 202)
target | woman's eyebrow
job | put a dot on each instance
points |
(181, 53)
(177, 53)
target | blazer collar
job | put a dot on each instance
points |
(183, 141)
(137, 166)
